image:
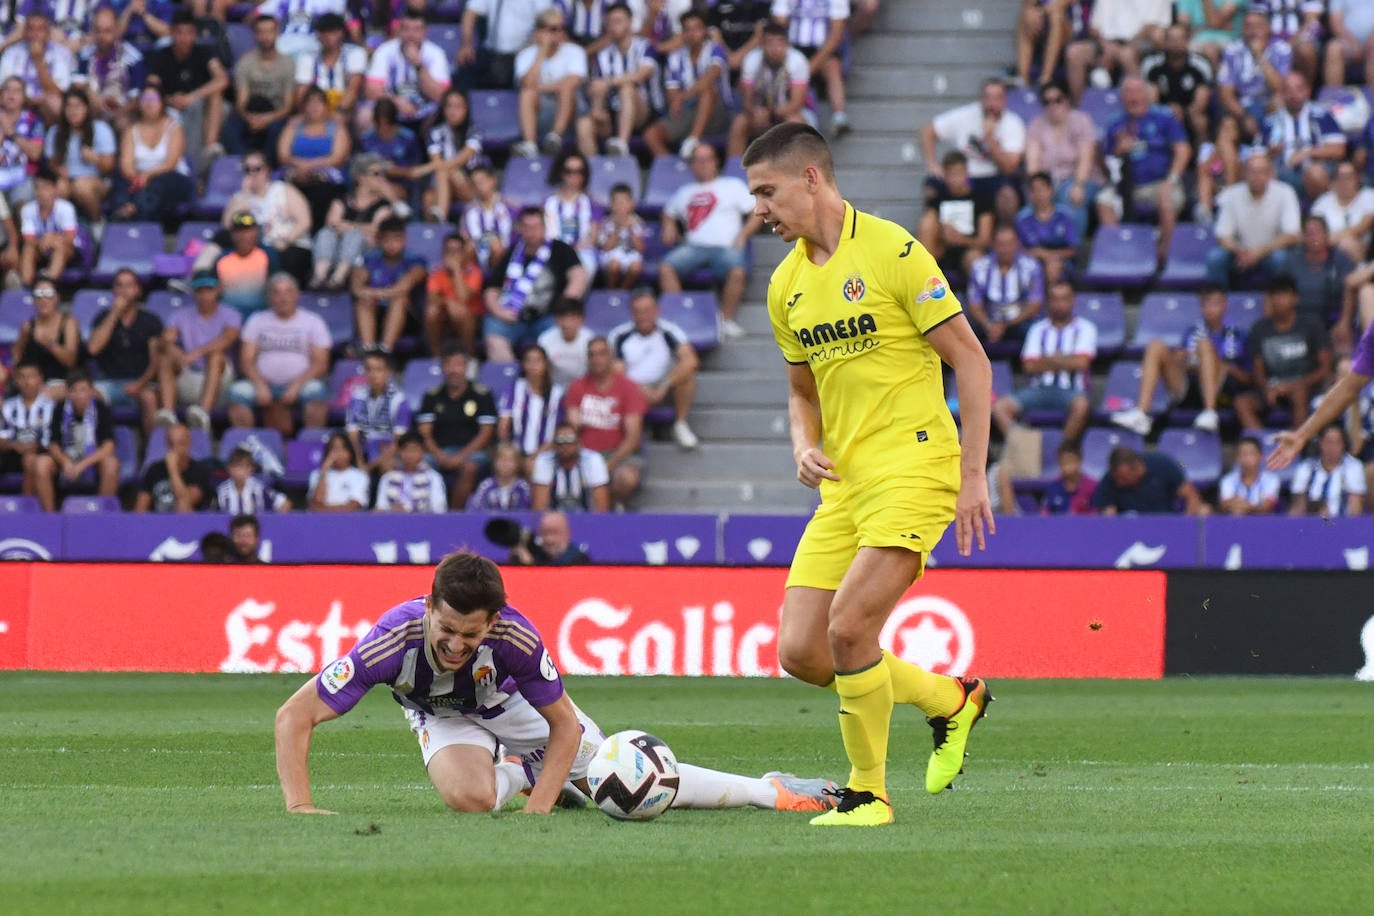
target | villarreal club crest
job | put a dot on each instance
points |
(854, 288)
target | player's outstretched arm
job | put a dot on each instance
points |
(1290, 444)
(804, 416)
(959, 348)
(296, 721)
(565, 733)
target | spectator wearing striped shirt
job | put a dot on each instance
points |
(529, 411)
(245, 493)
(655, 354)
(775, 87)
(25, 425)
(1059, 349)
(412, 486)
(1252, 72)
(454, 148)
(1332, 483)
(487, 220)
(570, 477)
(1006, 289)
(624, 90)
(817, 28)
(110, 71)
(1249, 489)
(506, 490)
(377, 415)
(337, 68)
(697, 82)
(1304, 139)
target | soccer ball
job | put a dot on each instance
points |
(633, 776)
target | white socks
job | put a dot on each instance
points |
(510, 781)
(699, 787)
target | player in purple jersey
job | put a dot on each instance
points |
(1344, 393)
(474, 678)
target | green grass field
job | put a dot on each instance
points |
(157, 794)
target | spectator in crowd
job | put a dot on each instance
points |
(1148, 483)
(297, 28)
(1208, 360)
(409, 70)
(1063, 141)
(956, 225)
(312, 150)
(1251, 75)
(175, 482)
(487, 220)
(153, 178)
(569, 213)
(338, 484)
(216, 547)
(51, 339)
(1213, 24)
(243, 270)
(1258, 221)
(608, 409)
(552, 545)
(81, 446)
(655, 354)
(25, 425)
(549, 73)
(21, 141)
(992, 139)
(377, 416)
(244, 492)
(718, 213)
(775, 88)
(818, 31)
(48, 227)
(337, 67)
(1348, 211)
(399, 148)
(1058, 350)
(1147, 151)
(1218, 166)
(530, 409)
(1304, 139)
(245, 533)
(1006, 290)
(109, 72)
(283, 359)
(9, 247)
(414, 486)
(390, 280)
(506, 490)
(1181, 79)
(350, 226)
(454, 147)
(1320, 272)
(1071, 493)
(620, 241)
(1291, 358)
(1351, 48)
(1332, 483)
(196, 371)
(1047, 21)
(279, 209)
(1046, 230)
(1249, 489)
(81, 151)
(737, 25)
(1300, 23)
(566, 342)
(71, 23)
(536, 272)
(624, 89)
(453, 304)
(45, 66)
(144, 21)
(457, 421)
(264, 92)
(193, 82)
(699, 98)
(570, 476)
(510, 25)
(660, 22)
(1110, 44)
(126, 341)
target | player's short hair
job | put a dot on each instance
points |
(799, 144)
(467, 582)
(952, 158)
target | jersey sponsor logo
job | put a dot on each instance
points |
(907, 250)
(336, 676)
(793, 301)
(935, 289)
(546, 667)
(855, 326)
(854, 288)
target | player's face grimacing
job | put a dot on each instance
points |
(454, 636)
(783, 198)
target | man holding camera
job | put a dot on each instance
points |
(536, 272)
(551, 545)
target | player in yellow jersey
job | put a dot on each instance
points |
(864, 318)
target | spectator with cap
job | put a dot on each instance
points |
(656, 355)
(457, 421)
(453, 296)
(1145, 483)
(337, 67)
(1291, 358)
(175, 482)
(570, 476)
(536, 272)
(410, 70)
(126, 341)
(196, 369)
(244, 492)
(153, 179)
(264, 92)
(1258, 222)
(549, 74)
(193, 82)
(243, 270)
(510, 24)
(283, 360)
(413, 486)
(279, 209)
(48, 228)
(390, 280)
(81, 449)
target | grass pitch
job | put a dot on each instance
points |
(158, 794)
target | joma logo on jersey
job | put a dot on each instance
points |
(854, 288)
(845, 329)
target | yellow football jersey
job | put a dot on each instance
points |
(859, 321)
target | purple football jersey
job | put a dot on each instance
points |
(510, 660)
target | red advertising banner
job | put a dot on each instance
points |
(14, 614)
(708, 621)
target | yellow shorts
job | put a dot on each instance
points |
(911, 511)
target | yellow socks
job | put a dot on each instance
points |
(934, 694)
(865, 716)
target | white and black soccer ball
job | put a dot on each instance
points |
(633, 776)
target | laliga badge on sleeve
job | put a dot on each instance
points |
(546, 667)
(337, 675)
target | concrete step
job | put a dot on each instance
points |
(975, 15)
(753, 354)
(742, 389)
(737, 495)
(945, 80)
(721, 461)
(741, 424)
(888, 47)
(890, 149)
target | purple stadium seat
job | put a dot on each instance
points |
(1098, 444)
(337, 311)
(269, 439)
(240, 39)
(666, 175)
(224, 179)
(14, 505)
(126, 450)
(1002, 382)
(526, 182)
(426, 240)
(495, 117)
(1186, 265)
(1108, 314)
(341, 381)
(420, 375)
(1197, 450)
(654, 250)
(609, 171)
(444, 11)
(1103, 106)
(606, 308)
(16, 307)
(1166, 317)
(131, 245)
(1024, 101)
(163, 302)
(449, 37)
(500, 378)
(1244, 309)
(1123, 386)
(191, 237)
(86, 304)
(157, 446)
(303, 455)
(1122, 255)
(697, 313)
(89, 505)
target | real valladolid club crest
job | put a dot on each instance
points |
(854, 288)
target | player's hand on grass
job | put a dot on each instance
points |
(813, 467)
(973, 514)
(1289, 448)
(531, 808)
(308, 808)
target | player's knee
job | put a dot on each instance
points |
(469, 799)
(805, 663)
